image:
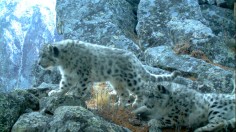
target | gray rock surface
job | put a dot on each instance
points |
(176, 22)
(76, 118)
(221, 3)
(31, 122)
(110, 23)
(153, 17)
(49, 104)
(191, 31)
(179, 81)
(220, 19)
(218, 79)
(13, 104)
(65, 118)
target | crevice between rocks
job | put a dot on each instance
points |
(134, 4)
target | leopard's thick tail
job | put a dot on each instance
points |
(163, 77)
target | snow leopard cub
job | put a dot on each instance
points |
(189, 108)
(82, 63)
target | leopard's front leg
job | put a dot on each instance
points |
(154, 125)
(65, 85)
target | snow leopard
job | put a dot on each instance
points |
(81, 63)
(188, 108)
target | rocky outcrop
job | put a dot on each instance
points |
(65, 118)
(153, 17)
(13, 104)
(49, 104)
(153, 30)
(177, 22)
(110, 23)
(31, 110)
(31, 122)
(75, 118)
(212, 77)
(220, 19)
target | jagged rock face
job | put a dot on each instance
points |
(25, 26)
(110, 23)
(214, 78)
(176, 22)
(66, 118)
(153, 17)
(220, 19)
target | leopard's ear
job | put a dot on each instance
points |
(53, 50)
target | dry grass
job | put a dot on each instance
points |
(185, 48)
(182, 48)
(102, 103)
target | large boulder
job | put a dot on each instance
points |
(220, 19)
(153, 17)
(175, 23)
(76, 118)
(216, 78)
(110, 23)
(13, 104)
(65, 118)
(31, 122)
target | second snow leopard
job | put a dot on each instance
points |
(189, 108)
(82, 63)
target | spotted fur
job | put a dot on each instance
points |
(82, 63)
(189, 108)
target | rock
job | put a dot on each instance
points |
(109, 23)
(218, 79)
(27, 25)
(40, 92)
(76, 118)
(153, 17)
(191, 31)
(179, 81)
(201, 38)
(175, 23)
(13, 104)
(220, 19)
(49, 104)
(31, 122)
(65, 118)
(221, 3)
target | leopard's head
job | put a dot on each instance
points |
(157, 96)
(48, 56)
